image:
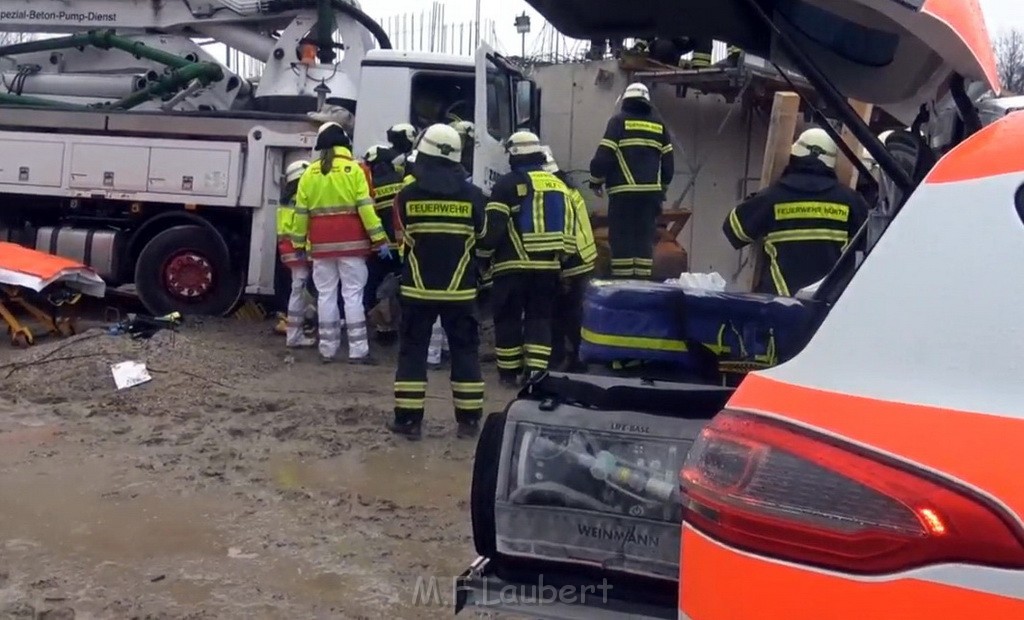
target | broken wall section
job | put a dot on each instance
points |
(719, 150)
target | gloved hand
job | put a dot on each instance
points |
(301, 256)
(384, 252)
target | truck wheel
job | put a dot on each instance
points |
(187, 269)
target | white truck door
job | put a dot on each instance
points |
(493, 116)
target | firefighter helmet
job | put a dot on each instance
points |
(331, 134)
(523, 143)
(324, 127)
(294, 171)
(550, 165)
(373, 152)
(637, 90)
(402, 130)
(441, 141)
(817, 143)
(465, 128)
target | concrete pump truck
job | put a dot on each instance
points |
(127, 146)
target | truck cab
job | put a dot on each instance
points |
(425, 88)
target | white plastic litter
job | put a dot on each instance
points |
(130, 374)
(700, 281)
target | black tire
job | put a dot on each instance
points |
(220, 291)
(485, 484)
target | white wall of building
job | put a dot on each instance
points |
(711, 139)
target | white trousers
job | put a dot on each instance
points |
(438, 343)
(297, 305)
(348, 273)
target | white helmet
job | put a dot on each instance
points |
(550, 165)
(441, 141)
(637, 90)
(523, 143)
(325, 126)
(816, 142)
(374, 151)
(882, 137)
(294, 171)
(402, 129)
(465, 128)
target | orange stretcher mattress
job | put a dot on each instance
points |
(35, 270)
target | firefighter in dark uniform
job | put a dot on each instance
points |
(805, 220)
(467, 131)
(702, 50)
(635, 163)
(402, 138)
(441, 217)
(530, 228)
(577, 269)
(387, 181)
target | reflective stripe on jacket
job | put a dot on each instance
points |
(387, 182)
(440, 233)
(334, 213)
(582, 260)
(530, 222)
(286, 248)
(805, 221)
(635, 155)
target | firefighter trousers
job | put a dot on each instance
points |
(348, 274)
(524, 307)
(632, 225)
(461, 325)
(568, 324)
(297, 305)
(377, 269)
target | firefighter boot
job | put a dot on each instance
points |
(468, 429)
(407, 426)
(469, 424)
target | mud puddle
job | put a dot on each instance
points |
(414, 475)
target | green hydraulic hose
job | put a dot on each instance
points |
(184, 70)
(205, 72)
(36, 102)
(103, 39)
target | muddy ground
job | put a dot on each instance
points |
(240, 482)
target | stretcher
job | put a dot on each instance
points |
(705, 332)
(28, 277)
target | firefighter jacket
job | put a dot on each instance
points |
(286, 248)
(530, 223)
(440, 217)
(805, 221)
(334, 212)
(387, 182)
(635, 156)
(582, 260)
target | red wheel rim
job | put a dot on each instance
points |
(188, 275)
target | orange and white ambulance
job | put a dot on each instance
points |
(875, 475)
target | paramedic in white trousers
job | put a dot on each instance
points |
(337, 223)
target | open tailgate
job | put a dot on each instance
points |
(897, 54)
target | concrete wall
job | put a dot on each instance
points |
(714, 140)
